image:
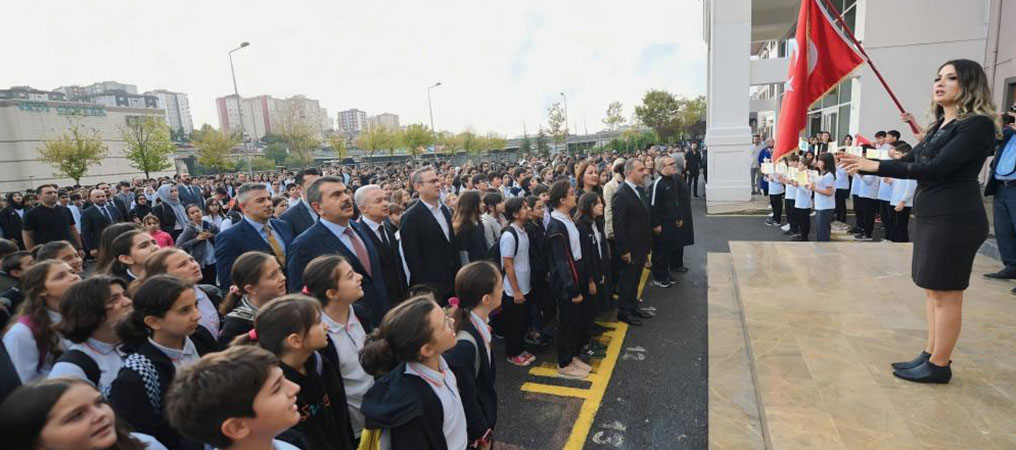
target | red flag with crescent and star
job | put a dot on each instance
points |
(822, 58)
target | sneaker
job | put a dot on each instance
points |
(597, 345)
(770, 221)
(534, 339)
(591, 353)
(862, 237)
(582, 364)
(661, 284)
(521, 360)
(573, 371)
(785, 227)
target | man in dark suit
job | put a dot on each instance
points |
(632, 237)
(427, 237)
(336, 232)
(664, 217)
(190, 193)
(256, 231)
(1001, 184)
(110, 199)
(370, 199)
(95, 219)
(301, 216)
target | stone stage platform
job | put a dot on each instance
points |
(800, 340)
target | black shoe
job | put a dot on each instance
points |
(789, 233)
(642, 314)
(926, 373)
(854, 230)
(681, 269)
(920, 359)
(593, 353)
(1004, 274)
(597, 345)
(629, 320)
(1013, 291)
(599, 330)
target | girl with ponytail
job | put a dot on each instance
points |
(416, 403)
(478, 290)
(165, 313)
(180, 264)
(257, 279)
(291, 328)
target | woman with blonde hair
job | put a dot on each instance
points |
(950, 222)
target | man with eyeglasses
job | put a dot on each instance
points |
(427, 237)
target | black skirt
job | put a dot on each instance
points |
(944, 250)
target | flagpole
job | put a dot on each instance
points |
(839, 19)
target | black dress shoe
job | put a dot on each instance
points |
(1013, 291)
(1004, 274)
(629, 320)
(920, 359)
(682, 269)
(642, 314)
(926, 373)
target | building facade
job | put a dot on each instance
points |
(26, 124)
(265, 114)
(352, 121)
(749, 43)
(177, 107)
(385, 120)
(74, 91)
(30, 93)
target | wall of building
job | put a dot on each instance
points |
(24, 126)
(1000, 52)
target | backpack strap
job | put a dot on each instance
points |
(464, 335)
(41, 346)
(85, 362)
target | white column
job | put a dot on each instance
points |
(728, 136)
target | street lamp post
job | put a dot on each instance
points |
(239, 107)
(432, 129)
(565, 121)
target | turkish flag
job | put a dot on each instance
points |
(861, 140)
(822, 58)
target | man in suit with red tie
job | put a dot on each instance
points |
(336, 232)
(633, 239)
(427, 237)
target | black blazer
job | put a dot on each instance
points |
(12, 224)
(990, 187)
(663, 204)
(946, 165)
(693, 162)
(567, 278)
(476, 390)
(595, 266)
(318, 240)
(393, 275)
(242, 238)
(631, 223)
(167, 219)
(472, 241)
(407, 406)
(431, 255)
(298, 218)
(93, 222)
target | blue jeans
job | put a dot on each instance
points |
(1004, 206)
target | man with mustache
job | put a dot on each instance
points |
(336, 232)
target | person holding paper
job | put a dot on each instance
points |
(802, 204)
(950, 221)
(825, 191)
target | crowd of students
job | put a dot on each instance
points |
(330, 308)
(883, 200)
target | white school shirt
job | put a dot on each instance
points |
(24, 354)
(483, 328)
(573, 235)
(855, 185)
(209, 314)
(444, 385)
(903, 190)
(521, 260)
(180, 357)
(348, 340)
(824, 202)
(791, 192)
(106, 356)
(885, 190)
(868, 187)
(842, 179)
(775, 187)
(803, 198)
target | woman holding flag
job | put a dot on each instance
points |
(950, 222)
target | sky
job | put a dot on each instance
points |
(501, 64)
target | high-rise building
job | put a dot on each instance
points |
(177, 106)
(265, 114)
(229, 114)
(326, 122)
(30, 93)
(352, 121)
(386, 120)
(75, 91)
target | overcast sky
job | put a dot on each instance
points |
(501, 64)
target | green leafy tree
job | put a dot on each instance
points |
(417, 137)
(471, 143)
(615, 116)
(277, 152)
(661, 111)
(371, 140)
(556, 125)
(541, 144)
(301, 140)
(257, 164)
(339, 146)
(495, 141)
(526, 147)
(214, 148)
(149, 147)
(393, 139)
(450, 142)
(693, 114)
(73, 153)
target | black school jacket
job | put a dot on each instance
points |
(203, 339)
(595, 266)
(408, 407)
(477, 391)
(564, 273)
(324, 417)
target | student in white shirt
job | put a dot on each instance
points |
(776, 191)
(514, 317)
(802, 206)
(867, 195)
(901, 202)
(44, 285)
(825, 196)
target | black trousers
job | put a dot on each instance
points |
(542, 307)
(791, 217)
(615, 265)
(663, 245)
(858, 213)
(514, 322)
(886, 213)
(693, 180)
(776, 201)
(569, 326)
(901, 224)
(628, 286)
(803, 222)
(840, 213)
(868, 208)
(677, 257)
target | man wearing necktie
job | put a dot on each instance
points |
(370, 199)
(336, 232)
(95, 219)
(256, 231)
(633, 239)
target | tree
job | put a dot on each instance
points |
(450, 142)
(556, 124)
(615, 116)
(470, 142)
(277, 152)
(258, 164)
(660, 110)
(339, 145)
(417, 138)
(371, 140)
(72, 154)
(495, 141)
(393, 139)
(214, 148)
(693, 114)
(541, 144)
(301, 140)
(526, 146)
(148, 144)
